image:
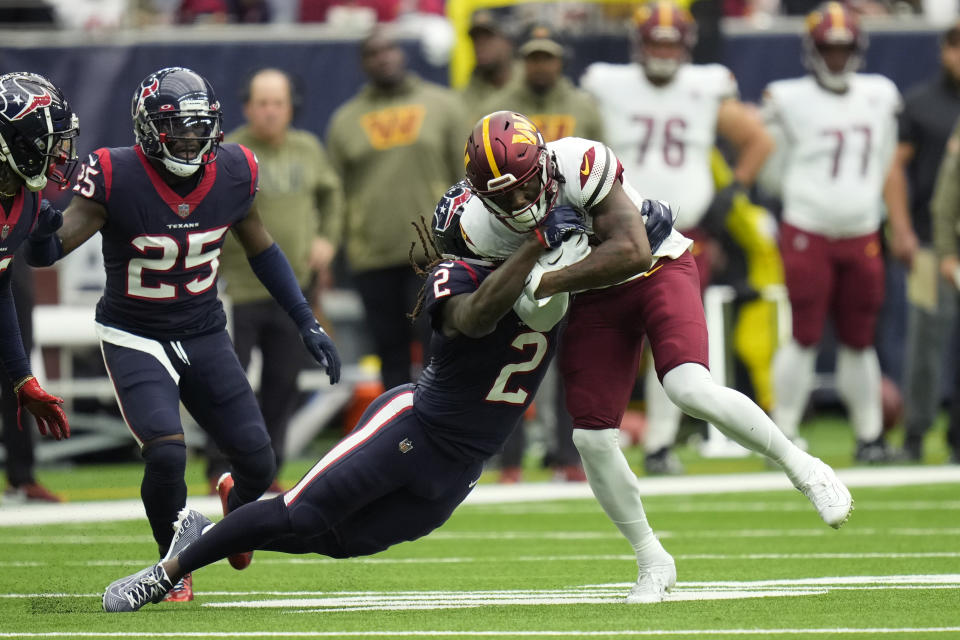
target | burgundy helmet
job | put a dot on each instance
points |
(664, 23)
(832, 24)
(504, 153)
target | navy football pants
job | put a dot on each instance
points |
(384, 483)
(203, 372)
(150, 379)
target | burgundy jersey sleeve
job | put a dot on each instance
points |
(95, 177)
(449, 279)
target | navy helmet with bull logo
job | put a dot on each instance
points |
(177, 120)
(37, 130)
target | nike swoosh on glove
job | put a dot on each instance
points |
(658, 221)
(322, 349)
(563, 222)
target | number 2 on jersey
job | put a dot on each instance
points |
(194, 258)
(499, 393)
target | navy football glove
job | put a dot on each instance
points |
(658, 221)
(560, 224)
(322, 349)
(48, 221)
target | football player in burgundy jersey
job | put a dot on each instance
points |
(623, 299)
(163, 208)
(418, 450)
(37, 129)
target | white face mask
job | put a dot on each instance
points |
(527, 217)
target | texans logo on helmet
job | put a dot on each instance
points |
(452, 200)
(35, 103)
(148, 91)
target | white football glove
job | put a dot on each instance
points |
(544, 314)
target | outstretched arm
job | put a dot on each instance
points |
(624, 250)
(273, 269)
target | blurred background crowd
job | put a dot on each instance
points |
(358, 112)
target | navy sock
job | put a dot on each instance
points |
(248, 528)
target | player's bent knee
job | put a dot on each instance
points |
(689, 386)
(253, 472)
(596, 441)
(166, 460)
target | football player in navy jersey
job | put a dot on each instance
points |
(163, 207)
(37, 129)
(418, 450)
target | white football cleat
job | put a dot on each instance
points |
(187, 529)
(830, 496)
(130, 593)
(654, 582)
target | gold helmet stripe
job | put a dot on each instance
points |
(837, 18)
(666, 14)
(489, 149)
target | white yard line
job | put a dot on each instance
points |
(100, 511)
(506, 596)
(727, 506)
(816, 532)
(460, 633)
(597, 557)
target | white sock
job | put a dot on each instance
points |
(694, 390)
(616, 488)
(793, 370)
(663, 417)
(858, 384)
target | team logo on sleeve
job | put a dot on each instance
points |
(586, 166)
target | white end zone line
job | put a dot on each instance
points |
(710, 633)
(113, 510)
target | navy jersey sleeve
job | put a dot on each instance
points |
(241, 164)
(449, 279)
(95, 177)
(254, 165)
(12, 354)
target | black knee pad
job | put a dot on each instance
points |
(252, 474)
(166, 462)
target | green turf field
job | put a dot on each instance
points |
(754, 564)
